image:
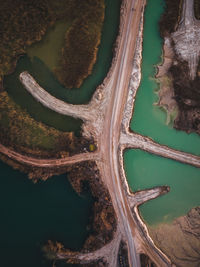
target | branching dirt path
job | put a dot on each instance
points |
(109, 253)
(107, 118)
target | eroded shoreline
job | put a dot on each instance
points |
(110, 167)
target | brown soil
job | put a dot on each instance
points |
(187, 96)
(186, 93)
(166, 92)
(146, 261)
(104, 223)
(181, 239)
(123, 255)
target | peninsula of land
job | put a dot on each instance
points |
(119, 236)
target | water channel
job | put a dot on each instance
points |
(145, 170)
(40, 67)
(31, 213)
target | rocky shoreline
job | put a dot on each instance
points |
(183, 112)
(164, 79)
(89, 174)
(179, 94)
(180, 240)
(83, 177)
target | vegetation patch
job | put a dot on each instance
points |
(81, 46)
(25, 22)
(187, 96)
(21, 23)
(103, 219)
(170, 18)
(21, 132)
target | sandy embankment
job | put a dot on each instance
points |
(166, 93)
(180, 239)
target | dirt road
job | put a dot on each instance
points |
(105, 123)
(45, 163)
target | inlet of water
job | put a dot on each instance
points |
(31, 214)
(145, 170)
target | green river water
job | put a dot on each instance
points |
(33, 213)
(145, 170)
(39, 65)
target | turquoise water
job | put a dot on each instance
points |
(31, 214)
(145, 170)
(149, 119)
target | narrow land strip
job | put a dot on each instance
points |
(112, 137)
(133, 140)
(47, 163)
(77, 111)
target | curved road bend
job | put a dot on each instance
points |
(118, 85)
(109, 142)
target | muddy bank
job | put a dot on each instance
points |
(165, 80)
(178, 92)
(181, 239)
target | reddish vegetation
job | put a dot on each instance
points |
(104, 222)
(81, 46)
(187, 96)
(186, 91)
(83, 176)
(169, 19)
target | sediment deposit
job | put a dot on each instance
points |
(180, 240)
(108, 123)
(179, 75)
